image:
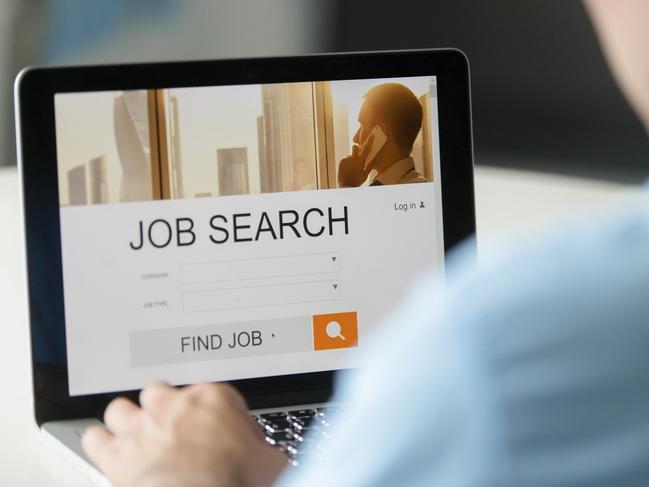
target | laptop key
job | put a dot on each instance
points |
(297, 431)
(282, 435)
(303, 421)
(278, 424)
(275, 438)
(275, 415)
(302, 413)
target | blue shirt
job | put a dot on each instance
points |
(532, 370)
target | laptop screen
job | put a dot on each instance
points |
(230, 232)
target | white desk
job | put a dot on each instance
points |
(24, 459)
(510, 204)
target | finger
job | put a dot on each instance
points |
(228, 400)
(155, 397)
(355, 150)
(367, 169)
(221, 394)
(207, 393)
(99, 445)
(121, 416)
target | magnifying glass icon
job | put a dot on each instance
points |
(333, 330)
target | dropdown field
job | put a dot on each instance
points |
(271, 295)
(260, 268)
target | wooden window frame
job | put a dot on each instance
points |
(324, 135)
(160, 180)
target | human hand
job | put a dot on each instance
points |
(201, 435)
(351, 170)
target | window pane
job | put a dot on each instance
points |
(103, 147)
(229, 140)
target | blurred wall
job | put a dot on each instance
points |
(543, 98)
(116, 31)
(21, 40)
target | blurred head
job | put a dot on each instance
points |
(623, 29)
(395, 109)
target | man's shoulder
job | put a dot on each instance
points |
(562, 328)
(575, 298)
(604, 263)
(414, 177)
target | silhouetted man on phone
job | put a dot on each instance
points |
(394, 110)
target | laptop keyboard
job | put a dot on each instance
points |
(298, 432)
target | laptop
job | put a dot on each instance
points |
(250, 221)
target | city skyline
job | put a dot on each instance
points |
(274, 123)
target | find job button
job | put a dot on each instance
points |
(220, 341)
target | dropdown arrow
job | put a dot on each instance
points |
(334, 259)
(335, 286)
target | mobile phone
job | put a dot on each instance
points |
(378, 141)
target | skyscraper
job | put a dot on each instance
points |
(178, 189)
(77, 192)
(289, 141)
(233, 170)
(261, 148)
(131, 125)
(98, 180)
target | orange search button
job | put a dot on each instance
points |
(335, 330)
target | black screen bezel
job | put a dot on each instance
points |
(35, 92)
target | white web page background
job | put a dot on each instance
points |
(110, 293)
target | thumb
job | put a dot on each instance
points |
(367, 169)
